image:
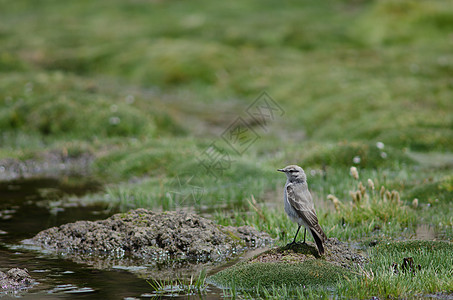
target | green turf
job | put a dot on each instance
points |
(266, 275)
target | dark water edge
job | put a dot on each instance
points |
(31, 205)
(28, 206)
(62, 279)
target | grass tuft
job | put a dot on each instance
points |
(171, 287)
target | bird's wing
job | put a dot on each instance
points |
(300, 199)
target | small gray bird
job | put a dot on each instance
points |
(299, 205)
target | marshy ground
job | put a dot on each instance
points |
(161, 104)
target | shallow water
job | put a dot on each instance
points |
(29, 206)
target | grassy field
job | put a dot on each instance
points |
(167, 97)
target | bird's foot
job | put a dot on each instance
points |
(296, 244)
(293, 243)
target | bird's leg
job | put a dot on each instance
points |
(294, 241)
(305, 233)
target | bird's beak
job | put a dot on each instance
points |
(281, 170)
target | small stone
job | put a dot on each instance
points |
(16, 279)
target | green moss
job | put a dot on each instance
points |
(232, 235)
(309, 273)
(442, 190)
(403, 22)
(167, 124)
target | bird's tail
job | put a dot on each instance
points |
(318, 240)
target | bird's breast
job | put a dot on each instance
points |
(289, 209)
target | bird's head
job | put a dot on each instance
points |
(294, 173)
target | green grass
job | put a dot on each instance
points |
(358, 212)
(377, 279)
(145, 88)
(380, 279)
(434, 191)
(369, 84)
(193, 286)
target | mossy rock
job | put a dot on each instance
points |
(159, 238)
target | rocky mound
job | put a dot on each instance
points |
(291, 266)
(337, 253)
(15, 279)
(158, 237)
